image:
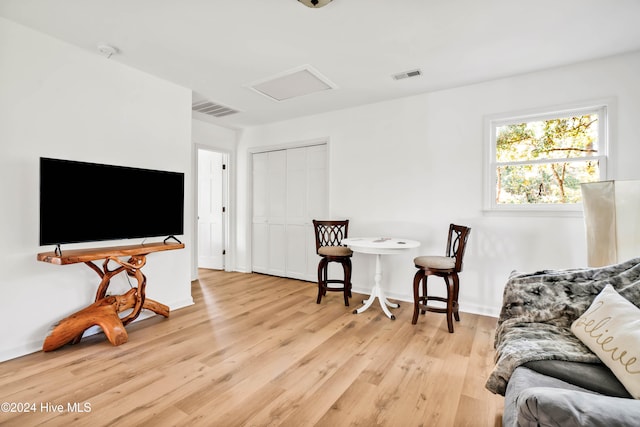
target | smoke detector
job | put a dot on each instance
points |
(107, 50)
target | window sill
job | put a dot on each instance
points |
(522, 212)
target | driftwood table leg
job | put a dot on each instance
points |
(156, 307)
(103, 313)
(105, 279)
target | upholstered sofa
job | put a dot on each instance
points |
(568, 347)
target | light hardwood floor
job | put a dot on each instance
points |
(257, 350)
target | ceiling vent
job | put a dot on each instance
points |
(407, 74)
(293, 83)
(212, 109)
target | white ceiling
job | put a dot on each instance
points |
(218, 48)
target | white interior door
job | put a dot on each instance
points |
(210, 210)
(289, 190)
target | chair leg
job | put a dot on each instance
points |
(456, 291)
(321, 279)
(416, 295)
(347, 281)
(350, 285)
(424, 291)
(449, 303)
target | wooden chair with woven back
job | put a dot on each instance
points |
(447, 267)
(329, 235)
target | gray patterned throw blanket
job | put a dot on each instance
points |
(538, 309)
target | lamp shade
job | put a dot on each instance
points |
(612, 221)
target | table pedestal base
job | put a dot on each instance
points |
(377, 292)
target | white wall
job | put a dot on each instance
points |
(60, 101)
(409, 167)
(215, 137)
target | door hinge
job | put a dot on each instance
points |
(224, 252)
(224, 209)
(224, 167)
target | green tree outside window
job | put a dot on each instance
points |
(544, 161)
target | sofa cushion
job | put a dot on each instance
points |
(548, 406)
(590, 376)
(522, 379)
(611, 329)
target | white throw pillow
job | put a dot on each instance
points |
(611, 329)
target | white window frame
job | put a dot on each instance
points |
(602, 107)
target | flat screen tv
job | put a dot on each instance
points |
(86, 202)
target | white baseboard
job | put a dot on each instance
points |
(466, 308)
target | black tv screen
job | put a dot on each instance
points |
(85, 202)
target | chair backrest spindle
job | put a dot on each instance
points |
(457, 243)
(330, 233)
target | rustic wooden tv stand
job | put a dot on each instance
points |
(104, 311)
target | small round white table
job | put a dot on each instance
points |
(379, 246)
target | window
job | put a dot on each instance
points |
(538, 161)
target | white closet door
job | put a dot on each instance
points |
(297, 221)
(289, 190)
(269, 212)
(317, 203)
(260, 229)
(277, 182)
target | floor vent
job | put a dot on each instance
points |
(407, 74)
(213, 109)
